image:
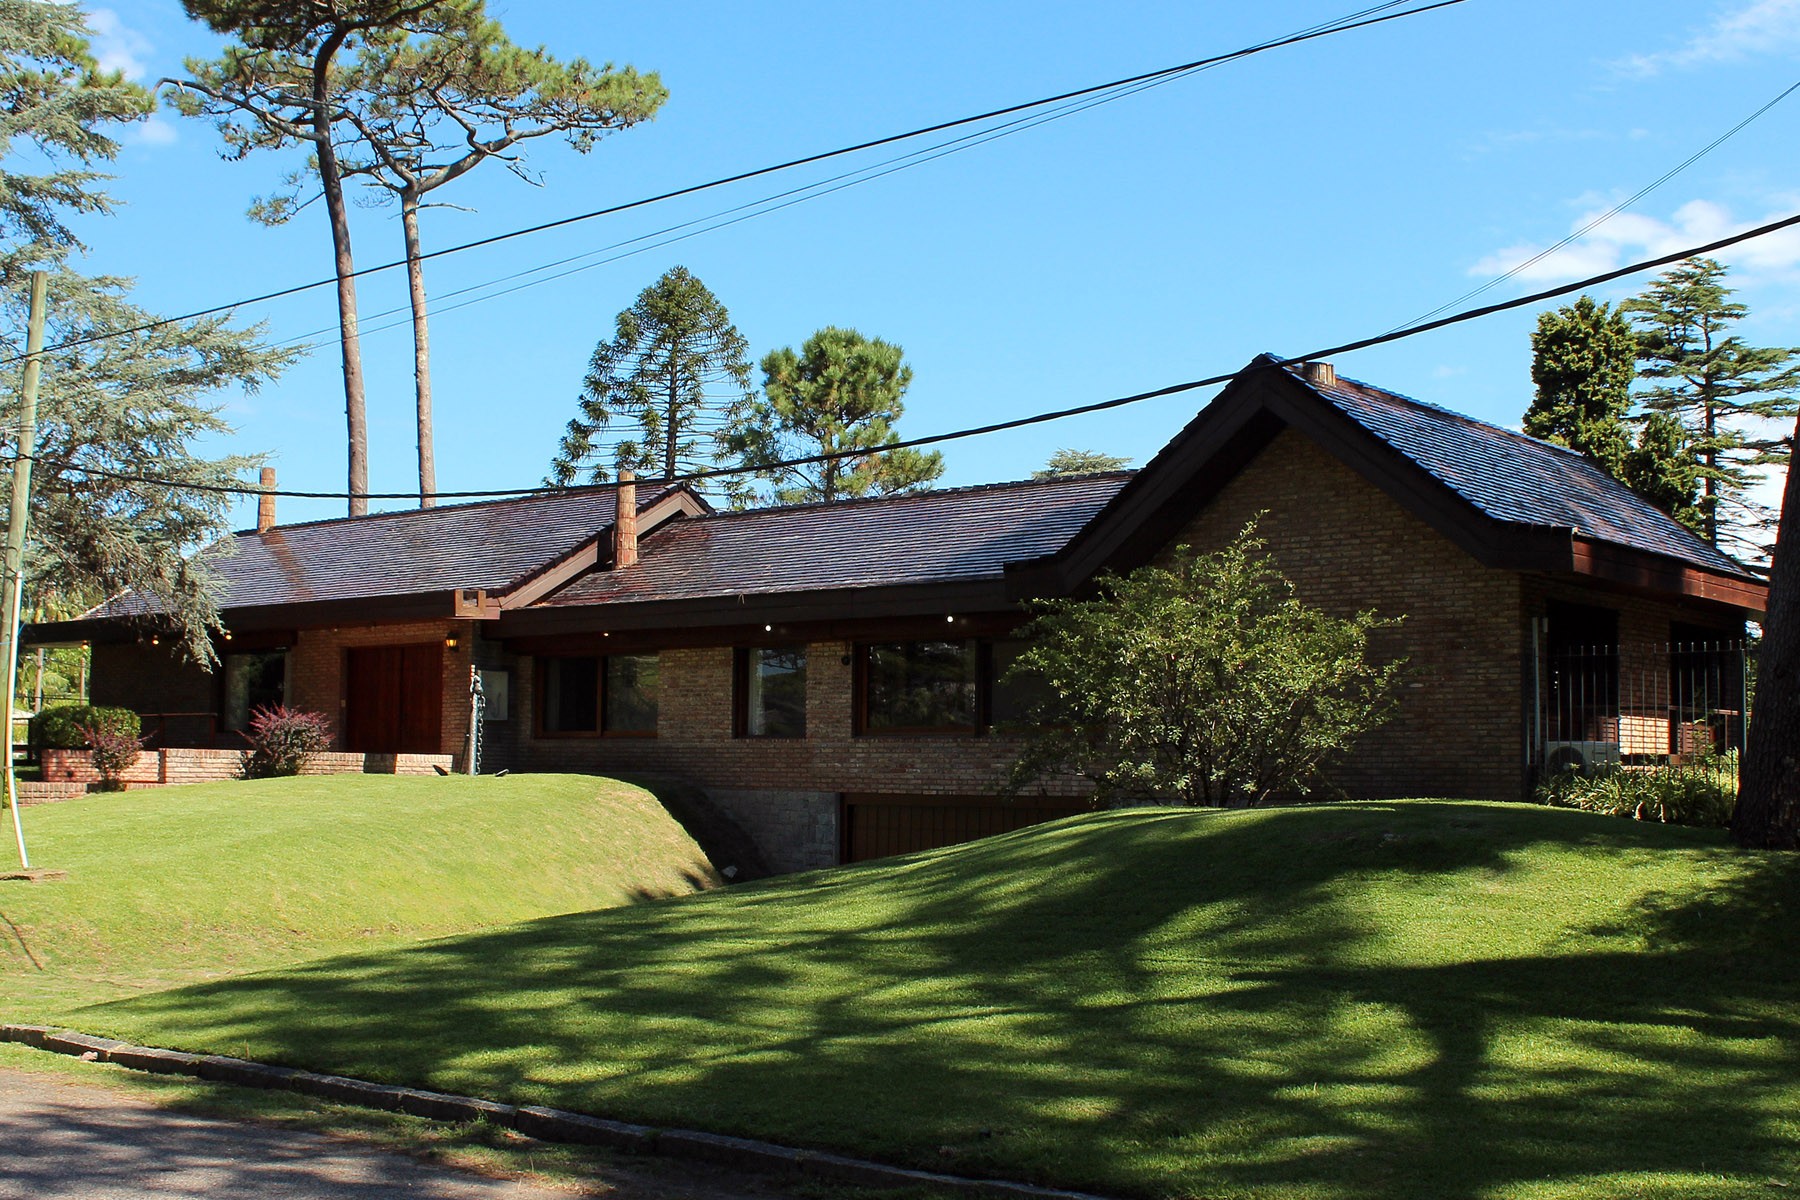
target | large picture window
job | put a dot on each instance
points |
(1011, 700)
(588, 694)
(771, 692)
(919, 687)
(253, 681)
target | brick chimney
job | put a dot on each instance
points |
(625, 521)
(265, 504)
(1320, 374)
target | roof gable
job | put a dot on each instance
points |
(1510, 501)
(487, 546)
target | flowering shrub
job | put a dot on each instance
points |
(113, 751)
(281, 740)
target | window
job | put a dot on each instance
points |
(631, 686)
(1011, 700)
(598, 695)
(771, 692)
(253, 681)
(919, 687)
(496, 691)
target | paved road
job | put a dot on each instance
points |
(60, 1140)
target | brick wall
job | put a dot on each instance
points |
(187, 765)
(1348, 547)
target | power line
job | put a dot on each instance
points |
(939, 127)
(981, 430)
(1615, 210)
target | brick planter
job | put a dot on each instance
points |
(155, 768)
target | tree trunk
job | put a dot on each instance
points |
(669, 425)
(1768, 807)
(415, 278)
(332, 184)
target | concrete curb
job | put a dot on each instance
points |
(545, 1124)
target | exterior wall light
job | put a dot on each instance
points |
(451, 641)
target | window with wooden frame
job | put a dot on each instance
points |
(254, 680)
(918, 687)
(589, 695)
(769, 692)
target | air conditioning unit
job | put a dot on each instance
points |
(1583, 758)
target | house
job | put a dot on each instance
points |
(830, 674)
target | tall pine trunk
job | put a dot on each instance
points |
(415, 279)
(332, 184)
(1768, 808)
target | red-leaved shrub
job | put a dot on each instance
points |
(281, 740)
(113, 752)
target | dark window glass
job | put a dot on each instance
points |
(1016, 697)
(571, 695)
(631, 681)
(774, 683)
(920, 685)
(253, 681)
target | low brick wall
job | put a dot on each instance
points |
(155, 768)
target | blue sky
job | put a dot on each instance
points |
(1301, 198)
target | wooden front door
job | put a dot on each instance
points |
(874, 826)
(394, 699)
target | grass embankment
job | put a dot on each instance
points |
(175, 885)
(1426, 999)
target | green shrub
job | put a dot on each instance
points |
(65, 726)
(281, 740)
(1699, 793)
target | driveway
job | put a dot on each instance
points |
(60, 1139)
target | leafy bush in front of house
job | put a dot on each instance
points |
(1700, 793)
(113, 752)
(66, 726)
(281, 740)
(1201, 679)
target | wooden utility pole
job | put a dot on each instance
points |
(15, 539)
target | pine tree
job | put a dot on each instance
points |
(1720, 388)
(1582, 362)
(841, 393)
(113, 405)
(673, 369)
(1079, 462)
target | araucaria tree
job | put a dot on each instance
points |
(1198, 680)
(277, 89)
(1721, 389)
(112, 406)
(1583, 362)
(657, 392)
(416, 113)
(840, 396)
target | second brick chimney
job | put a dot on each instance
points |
(625, 550)
(265, 504)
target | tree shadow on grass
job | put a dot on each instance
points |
(1156, 1004)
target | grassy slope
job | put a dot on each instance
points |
(1443, 1000)
(171, 886)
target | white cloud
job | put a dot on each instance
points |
(1628, 237)
(157, 131)
(1759, 27)
(117, 46)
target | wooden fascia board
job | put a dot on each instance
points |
(771, 633)
(588, 556)
(1655, 573)
(942, 599)
(1235, 419)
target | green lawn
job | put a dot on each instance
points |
(1374, 1000)
(174, 885)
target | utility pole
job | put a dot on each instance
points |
(15, 539)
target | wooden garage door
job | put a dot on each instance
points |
(875, 826)
(394, 699)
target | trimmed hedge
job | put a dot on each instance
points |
(65, 726)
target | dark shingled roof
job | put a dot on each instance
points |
(488, 545)
(928, 537)
(1512, 477)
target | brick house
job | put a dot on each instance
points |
(830, 674)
